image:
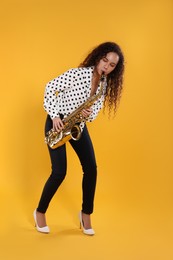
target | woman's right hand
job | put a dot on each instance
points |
(57, 124)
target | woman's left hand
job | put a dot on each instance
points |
(87, 112)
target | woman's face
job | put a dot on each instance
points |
(107, 64)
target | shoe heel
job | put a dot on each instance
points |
(45, 229)
(90, 231)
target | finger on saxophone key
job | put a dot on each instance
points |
(86, 112)
(57, 124)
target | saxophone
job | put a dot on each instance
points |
(71, 128)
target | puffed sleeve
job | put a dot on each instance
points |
(53, 91)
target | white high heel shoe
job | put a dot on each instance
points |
(40, 229)
(89, 231)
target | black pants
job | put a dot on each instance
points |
(85, 152)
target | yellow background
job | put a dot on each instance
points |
(133, 216)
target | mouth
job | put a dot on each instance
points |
(103, 72)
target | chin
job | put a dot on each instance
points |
(101, 72)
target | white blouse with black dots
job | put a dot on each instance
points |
(68, 91)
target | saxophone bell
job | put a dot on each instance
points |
(55, 139)
(75, 132)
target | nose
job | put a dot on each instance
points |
(106, 66)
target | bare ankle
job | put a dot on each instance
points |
(41, 219)
(86, 220)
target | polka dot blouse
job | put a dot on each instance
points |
(68, 91)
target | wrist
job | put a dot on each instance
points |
(54, 116)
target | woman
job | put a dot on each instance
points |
(74, 87)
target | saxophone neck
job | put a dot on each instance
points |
(102, 78)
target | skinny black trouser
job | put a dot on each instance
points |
(85, 152)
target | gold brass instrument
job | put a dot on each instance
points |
(71, 128)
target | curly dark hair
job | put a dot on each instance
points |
(115, 78)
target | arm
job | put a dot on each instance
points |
(53, 91)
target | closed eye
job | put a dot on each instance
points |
(105, 59)
(112, 64)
